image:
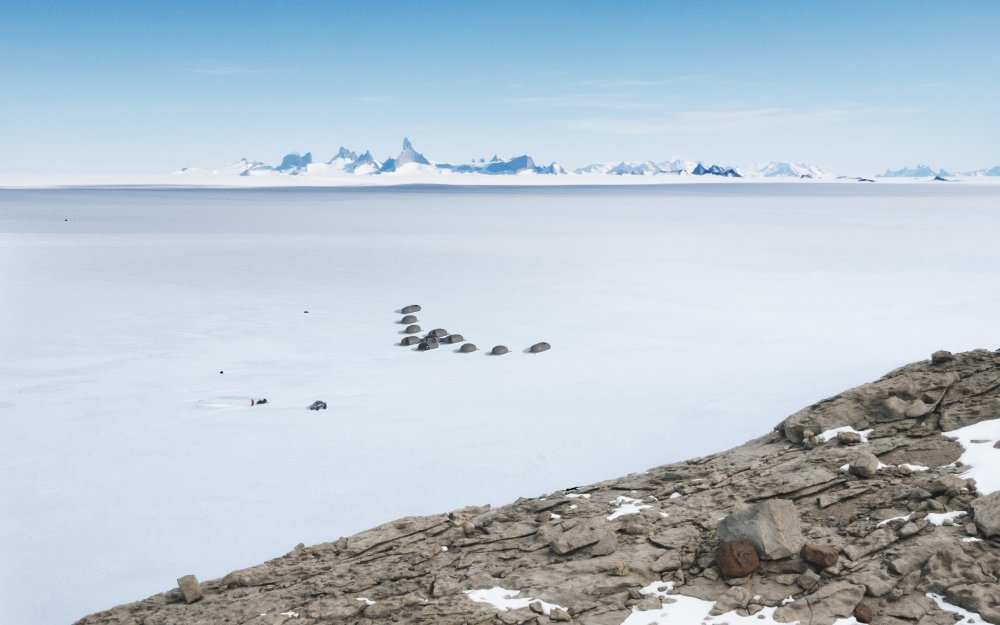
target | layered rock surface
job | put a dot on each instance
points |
(588, 555)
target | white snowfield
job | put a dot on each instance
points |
(683, 320)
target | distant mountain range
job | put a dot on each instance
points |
(349, 164)
(923, 171)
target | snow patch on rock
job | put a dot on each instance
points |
(626, 505)
(503, 599)
(981, 455)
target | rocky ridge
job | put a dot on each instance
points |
(798, 525)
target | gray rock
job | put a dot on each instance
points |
(499, 350)
(468, 348)
(428, 343)
(987, 514)
(950, 566)
(876, 541)
(949, 484)
(940, 357)
(772, 527)
(848, 438)
(959, 415)
(410, 340)
(412, 329)
(317, 405)
(408, 319)
(438, 333)
(877, 582)
(983, 598)
(412, 308)
(190, 588)
(734, 598)
(592, 532)
(864, 465)
(453, 339)
(830, 602)
(808, 580)
(539, 347)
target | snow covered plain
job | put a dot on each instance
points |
(684, 319)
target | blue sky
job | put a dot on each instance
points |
(104, 87)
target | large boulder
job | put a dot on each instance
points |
(190, 588)
(987, 514)
(771, 526)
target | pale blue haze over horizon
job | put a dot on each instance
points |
(852, 87)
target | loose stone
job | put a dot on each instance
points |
(190, 588)
(737, 558)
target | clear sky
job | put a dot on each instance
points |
(106, 87)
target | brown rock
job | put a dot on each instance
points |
(821, 555)
(737, 558)
(866, 611)
(190, 588)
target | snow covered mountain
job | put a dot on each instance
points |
(778, 169)
(993, 171)
(920, 171)
(349, 163)
(413, 166)
(651, 168)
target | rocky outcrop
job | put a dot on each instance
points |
(832, 542)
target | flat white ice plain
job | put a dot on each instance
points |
(683, 320)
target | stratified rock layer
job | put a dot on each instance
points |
(591, 549)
